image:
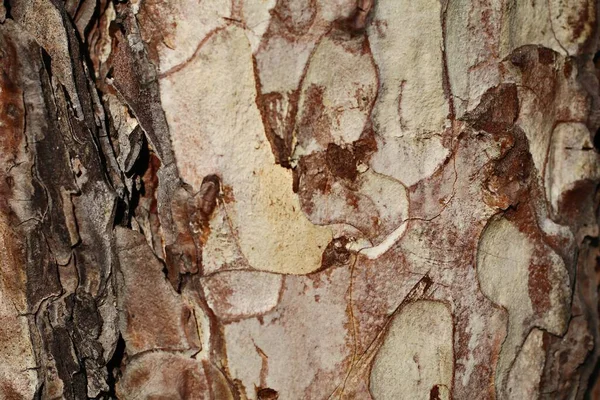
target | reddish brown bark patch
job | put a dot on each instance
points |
(314, 123)
(497, 111)
(509, 178)
(292, 18)
(539, 286)
(364, 147)
(539, 75)
(161, 375)
(279, 125)
(156, 25)
(546, 56)
(335, 253)
(581, 21)
(341, 162)
(267, 394)
(579, 203)
(12, 111)
(541, 275)
(9, 392)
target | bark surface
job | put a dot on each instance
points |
(299, 199)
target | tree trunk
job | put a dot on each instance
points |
(299, 199)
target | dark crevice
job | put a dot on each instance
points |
(597, 140)
(114, 367)
(96, 15)
(589, 395)
(38, 393)
(47, 60)
(121, 213)
(139, 168)
(8, 8)
(142, 162)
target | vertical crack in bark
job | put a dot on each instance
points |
(445, 73)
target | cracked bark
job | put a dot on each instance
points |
(308, 199)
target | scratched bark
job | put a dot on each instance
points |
(299, 199)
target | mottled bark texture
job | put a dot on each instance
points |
(299, 199)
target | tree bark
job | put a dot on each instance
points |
(299, 199)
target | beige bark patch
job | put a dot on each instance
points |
(504, 259)
(524, 378)
(527, 23)
(257, 16)
(411, 107)
(241, 294)
(471, 44)
(331, 10)
(346, 73)
(389, 196)
(573, 23)
(225, 127)
(284, 60)
(416, 358)
(572, 159)
(221, 250)
(294, 349)
(537, 126)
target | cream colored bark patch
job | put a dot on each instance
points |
(216, 128)
(257, 16)
(504, 258)
(525, 375)
(416, 358)
(572, 159)
(573, 23)
(528, 22)
(241, 294)
(343, 77)
(285, 61)
(471, 43)
(537, 126)
(411, 107)
(221, 250)
(459, 44)
(296, 350)
(389, 196)
(563, 26)
(281, 59)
